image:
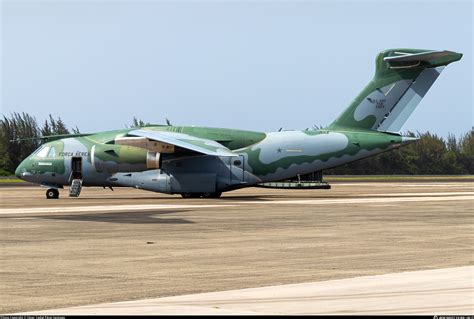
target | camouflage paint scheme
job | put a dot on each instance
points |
(216, 159)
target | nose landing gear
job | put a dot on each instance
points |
(52, 193)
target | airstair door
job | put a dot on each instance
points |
(76, 168)
(76, 177)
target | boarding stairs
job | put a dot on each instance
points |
(75, 188)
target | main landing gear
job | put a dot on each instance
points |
(203, 195)
(52, 193)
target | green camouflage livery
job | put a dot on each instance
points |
(199, 160)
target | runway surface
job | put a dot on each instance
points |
(128, 244)
(441, 291)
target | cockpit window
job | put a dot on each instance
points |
(52, 152)
(43, 152)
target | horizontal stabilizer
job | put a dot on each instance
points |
(402, 59)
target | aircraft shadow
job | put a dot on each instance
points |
(127, 217)
(244, 197)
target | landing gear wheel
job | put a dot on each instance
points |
(191, 195)
(212, 195)
(52, 193)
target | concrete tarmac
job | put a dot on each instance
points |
(444, 291)
(129, 244)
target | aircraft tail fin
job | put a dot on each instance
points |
(402, 78)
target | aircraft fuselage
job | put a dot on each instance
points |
(260, 157)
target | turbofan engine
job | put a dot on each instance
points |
(113, 158)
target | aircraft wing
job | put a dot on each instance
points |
(193, 143)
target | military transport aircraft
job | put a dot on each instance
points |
(204, 162)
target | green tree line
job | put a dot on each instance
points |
(431, 155)
(20, 136)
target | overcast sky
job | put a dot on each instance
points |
(248, 65)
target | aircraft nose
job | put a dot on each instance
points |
(22, 171)
(18, 171)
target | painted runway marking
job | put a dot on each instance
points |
(365, 200)
(410, 194)
(384, 184)
(383, 200)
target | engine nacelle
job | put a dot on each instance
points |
(153, 160)
(112, 158)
